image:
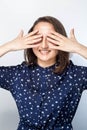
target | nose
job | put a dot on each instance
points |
(44, 43)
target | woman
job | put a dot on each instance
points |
(47, 87)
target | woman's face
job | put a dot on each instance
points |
(45, 55)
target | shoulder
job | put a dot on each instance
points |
(77, 69)
(15, 68)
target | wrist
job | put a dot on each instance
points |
(82, 50)
(78, 48)
(7, 47)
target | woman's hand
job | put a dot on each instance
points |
(30, 40)
(21, 42)
(60, 42)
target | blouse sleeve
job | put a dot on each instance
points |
(79, 76)
(84, 72)
(7, 75)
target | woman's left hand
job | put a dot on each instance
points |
(60, 42)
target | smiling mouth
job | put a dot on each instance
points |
(44, 52)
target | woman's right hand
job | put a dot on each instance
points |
(30, 40)
(21, 42)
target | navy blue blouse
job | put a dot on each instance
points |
(45, 100)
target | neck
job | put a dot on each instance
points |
(45, 63)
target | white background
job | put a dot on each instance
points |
(20, 14)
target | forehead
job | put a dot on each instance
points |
(44, 27)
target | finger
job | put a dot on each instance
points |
(36, 36)
(53, 41)
(33, 38)
(30, 46)
(52, 46)
(34, 41)
(31, 33)
(33, 45)
(21, 34)
(54, 37)
(30, 38)
(58, 34)
(72, 35)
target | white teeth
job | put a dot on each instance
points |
(44, 51)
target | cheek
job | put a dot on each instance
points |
(35, 51)
(55, 52)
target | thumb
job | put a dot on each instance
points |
(72, 35)
(21, 34)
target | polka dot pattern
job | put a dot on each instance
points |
(45, 100)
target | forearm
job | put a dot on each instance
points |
(82, 50)
(5, 48)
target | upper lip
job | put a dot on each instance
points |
(43, 50)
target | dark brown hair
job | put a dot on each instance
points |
(62, 58)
